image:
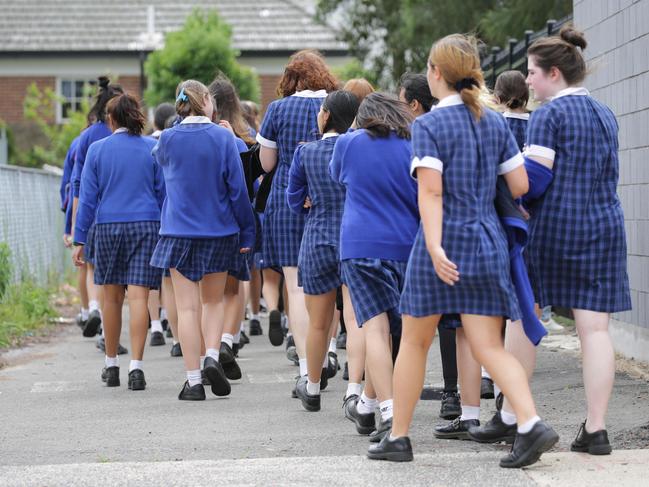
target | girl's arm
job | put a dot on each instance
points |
(298, 187)
(268, 158)
(267, 138)
(87, 204)
(517, 181)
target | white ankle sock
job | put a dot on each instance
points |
(366, 405)
(175, 341)
(303, 369)
(202, 362)
(156, 326)
(227, 338)
(497, 390)
(527, 426)
(163, 314)
(507, 417)
(194, 377)
(332, 345)
(111, 361)
(325, 362)
(353, 390)
(103, 333)
(135, 364)
(237, 337)
(254, 317)
(212, 352)
(313, 388)
(485, 374)
(84, 314)
(93, 305)
(470, 412)
(386, 409)
(243, 327)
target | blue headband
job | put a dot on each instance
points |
(181, 96)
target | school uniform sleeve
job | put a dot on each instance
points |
(88, 196)
(542, 131)
(298, 188)
(158, 151)
(67, 175)
(424, 150)
(159, 184)
(336, 163)
(68, 213)
(511, 157)
(239, 194)
(267, 136)
(80, 160)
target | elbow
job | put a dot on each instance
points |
(520, 189)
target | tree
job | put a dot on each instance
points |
(200, 50)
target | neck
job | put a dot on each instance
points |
(445, 91)
(517, 110)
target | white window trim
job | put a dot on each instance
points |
(59, 92)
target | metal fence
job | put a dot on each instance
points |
(31, 222)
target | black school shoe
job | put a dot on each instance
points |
(493, 431)
(244, 339)
(195, 393)
(397, 450)
(255, 328)
(451, 407)
(379, 433)
(309, 402)
(365, 423)
(593, 443)
(341, 341)
(228, 362)
(169, 333)
(93, 324)
(324, 379)
(215, 374)
(346, 371)
(165, 324)
(81, 323)
(176, 351)
(291, 354)
(110, 375)
(456, 430)
(332, 366)
(157, 339)
(528, 447)
(275, 333)
(136, 380)
(101, 345)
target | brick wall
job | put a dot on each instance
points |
(268, 87)
(13, 90)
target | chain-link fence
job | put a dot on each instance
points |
(32, 223)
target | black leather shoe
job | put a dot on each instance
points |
(157, 339)
(244, 339)
(500, 399)
(397, 450)
(456, 430)
(81, 323)
(229, 363)
(110, 375)
(594, 443)
(176, 351)
(204, 380)
(121, 350)
(309, 402)
(136, 380)
(291, 354)
(165, 324)
(93, 324)
(332, 365)
(493, 431)
(365, 423)
(169, 333)
(101, 344)
(195, 393)
(486, 388)
(218, 381)
(341, 341)
(346, 371)
(235, 349)
(379, 433)
(255, 328)
(324, 380)
(275, 334)
(528, 447)
(450, 407)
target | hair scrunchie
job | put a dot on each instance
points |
(466, 83)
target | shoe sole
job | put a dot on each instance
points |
(452, 436)
(177, 354)
(157, 343)
(92, 326)
(594, 450)
(391, 457)
(218, 383)
(450, 416)
(232, 370)
(307, 406)
(137, 385)
(275, 334)
(540, 446)
(506, 439)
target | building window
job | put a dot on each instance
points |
(73, 93)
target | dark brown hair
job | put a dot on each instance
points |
(342, 107)
(360, 87)
(250, 112)
(563, 52)
(124, 111)
(306, 70)
(228, 107)
(192, 103)
(106, 92)
(511, 90)
(382, 113)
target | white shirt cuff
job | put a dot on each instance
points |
(511, 164)
(540, 151)
(266, 143)
(428, 162)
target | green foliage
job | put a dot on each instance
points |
(6, 270)
(200, 50)
(354, 69)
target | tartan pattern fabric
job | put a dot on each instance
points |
(194, 257)
(123, 252)
(576, 255)
(289, 122)
(241, 267)
(472, 154)
(375, 286)
(89, 248)
(518, 128)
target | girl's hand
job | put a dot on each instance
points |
(226, 125)
(67, 240)
(307, 203)
(77, 256)
(526, 215)
(244, 250)
(445, 269)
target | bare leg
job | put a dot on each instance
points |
(154, 305)
(517, 343)
(170, 305)
(95, 292)
(138, 298)
(321, 310)
(232, 306)
(82, 278)
(212, 287)
(298, 320)
(379, 355)
(188, 306)
(113, 302)
(271, 288)
(355, 342)
(469, 371)
(254, 290)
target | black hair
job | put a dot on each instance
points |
(125, 111)
(342, 107)
(415, 87)
(107, 91)
(383, 113)
(162, 113)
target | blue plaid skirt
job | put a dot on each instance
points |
(318, 269)
(375, 287)
(195, 257)
(241, 268)
(123, 251)
(89, 248)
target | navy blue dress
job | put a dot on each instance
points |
(576, 255)
(287, 123)
(517, 123)
(471, 155)
(318, 262)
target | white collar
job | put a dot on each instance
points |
(156, 134)
(520, 116)
(449, 101)
(329, 134)
(310, 94)
(121, 130)
(196, 119)
(573, 90)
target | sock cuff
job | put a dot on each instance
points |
(470, 412)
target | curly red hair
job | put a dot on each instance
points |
(306, 70)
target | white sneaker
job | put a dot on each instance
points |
(552, 325)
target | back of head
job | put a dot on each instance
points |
(124, 111)
(360, 87)
(342, 107)
(382, 113)
(511, 90)
(162, 113)
(228, 107)
(457, 58)
(563, 52)
(415, 87)
(251, 113)
(306, 70)
(106, 92)
(190, 97)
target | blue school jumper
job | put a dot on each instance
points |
(288, 122)
(318, 262)
(577, 251)
(122, 190)
(66, 179)
(517, 123)
(206, 215)
(470, 155)
(379, 223)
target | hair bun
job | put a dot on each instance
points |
(104, 81)
(572, 36)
